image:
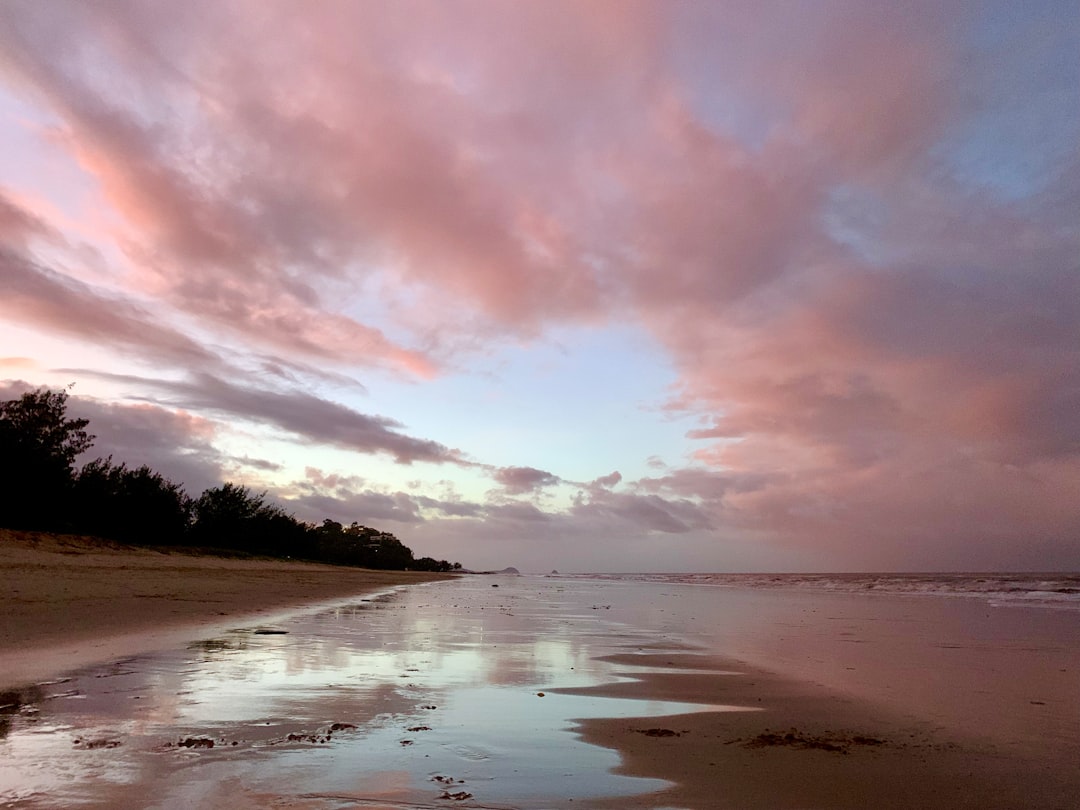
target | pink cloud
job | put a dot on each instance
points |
(877, 346)
(194, 234)
(33, 294)
(519, 480)
(609, 480)
(332, 482)
(18, 224)
(18, 362)
(295, 412)
(646, 513)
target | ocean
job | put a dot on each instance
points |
(1056, 590)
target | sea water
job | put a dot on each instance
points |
(1056, 590)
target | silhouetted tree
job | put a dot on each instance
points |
(38, 447)
(133, 506)
(431, 564)
(39, 489)
(231, 516)
(358, 545)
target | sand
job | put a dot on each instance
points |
(793, 742)
(811, 748)
(867, 701)
(66, 601)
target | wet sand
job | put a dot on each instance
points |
(546, 693)
(866, 701)
(811, 748)
(67, 602)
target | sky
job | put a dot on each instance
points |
(587, 286)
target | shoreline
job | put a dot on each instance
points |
(67, 602)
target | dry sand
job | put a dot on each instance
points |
(67, 602)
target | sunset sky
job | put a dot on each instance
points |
(631, 286)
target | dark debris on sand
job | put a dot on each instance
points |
(196, 742)
(316, 737)
(321, 736)
(658, 732)
(449, 781)
(93, 745)
(800, 741)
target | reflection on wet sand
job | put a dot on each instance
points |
(424, 697)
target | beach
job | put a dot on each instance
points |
(68, 601)
(540, 692)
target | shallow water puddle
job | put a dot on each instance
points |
(434, 696)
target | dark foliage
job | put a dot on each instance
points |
(360, 545)
(40, 489)
(38, 447)
(133, 506)
(232, 517)
(431, 564)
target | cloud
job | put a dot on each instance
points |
(349, 498)
(608, 480)
(450, 508)
(851, 229)
(366, 508)
(516, 513)
(18, 362)
(18, 225)
(35, 295)
(217, 243)
(262, 464)
(331, 482)
(519, 480)
(50, 298)
(482, 531)
(648, 513)
(298, 413)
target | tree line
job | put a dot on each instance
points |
(41, 489)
